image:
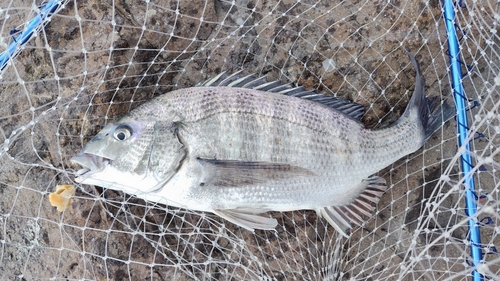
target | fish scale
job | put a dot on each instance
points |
(230, 148)
(295, 140)
(306, 130)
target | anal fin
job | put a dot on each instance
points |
(247, 218)
(343, 217)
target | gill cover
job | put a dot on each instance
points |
(167, 151)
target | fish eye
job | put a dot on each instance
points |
(122, 133)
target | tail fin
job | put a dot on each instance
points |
(432, 117)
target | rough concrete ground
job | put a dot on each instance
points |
(100, 67)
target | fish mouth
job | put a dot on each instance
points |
(91, 164)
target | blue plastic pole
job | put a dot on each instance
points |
(462, 126)
(15, 47)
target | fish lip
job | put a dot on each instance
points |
(91, 164)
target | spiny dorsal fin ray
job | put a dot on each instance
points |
(343, 217)
(236, 80)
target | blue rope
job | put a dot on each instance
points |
(462, 126)
(31, 28)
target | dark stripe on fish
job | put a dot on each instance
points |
(233, 173)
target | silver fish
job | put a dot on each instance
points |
(240, 146)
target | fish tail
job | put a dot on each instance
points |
(431, 117)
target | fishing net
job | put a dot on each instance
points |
(69, 68)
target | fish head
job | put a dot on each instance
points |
(120, 156)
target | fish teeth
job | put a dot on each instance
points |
(82, 171)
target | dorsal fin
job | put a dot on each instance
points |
(237, 80)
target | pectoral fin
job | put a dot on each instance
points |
(247, 219)
(234, 173)
(343, 217)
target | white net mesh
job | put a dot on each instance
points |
(97, 60)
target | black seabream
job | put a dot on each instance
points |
(239, 146)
